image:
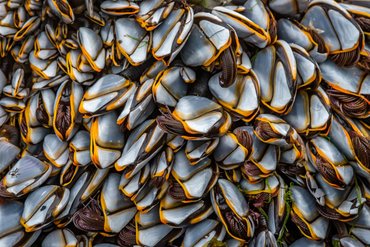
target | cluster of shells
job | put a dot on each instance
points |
(184, 123)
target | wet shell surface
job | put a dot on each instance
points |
(187, 123)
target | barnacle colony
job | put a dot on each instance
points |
(184, 123)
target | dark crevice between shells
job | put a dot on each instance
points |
(238, 2)
(200, 86)
(273, 27)
(341, 228)
(169, 238)
(89, 218)
(157, 182)
(197, 8)
(133, 73)
(215, 130)
(262, 223)
(291, 171)
(178, 63)
(366, 122)
(320, 42)
(4, 193)
(9, 133)
(63, 6)
(69, 174)
(130, 168)
(6, 63)
(71, 155)
(221, 202)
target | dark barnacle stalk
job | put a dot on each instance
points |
(176, 191)
(228, 67)
(127, 236)
(361, 145)
(169, 124)
(237, 226)
(90, 217)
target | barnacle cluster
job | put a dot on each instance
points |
(184, 123)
